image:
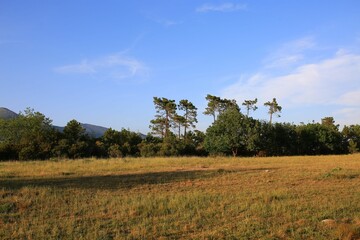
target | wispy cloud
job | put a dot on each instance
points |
(162, 20)
(168, 23)
(348, 116)
(225, 7)
(115, 66)
(81, 68)
(351, 98)
(290, 53)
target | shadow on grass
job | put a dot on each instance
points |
(124, 181)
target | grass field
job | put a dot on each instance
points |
(182, 198)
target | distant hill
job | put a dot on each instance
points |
(92, 130)
(7, 114)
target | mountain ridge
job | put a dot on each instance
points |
(91, 129)
(6, 113)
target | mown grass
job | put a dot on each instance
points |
(182, 198)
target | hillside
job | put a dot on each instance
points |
(7, 114)
(92, 130)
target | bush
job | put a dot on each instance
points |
(149, 149)
(114, 151)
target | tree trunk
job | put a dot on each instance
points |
(167, 124)
(234, 152)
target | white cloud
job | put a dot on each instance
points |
(115, 66)
(351, 98)
(330, 81)
(305, 85)
(290, 53)
(225, 7)
(348, 116)
(164, 21)
(168, 23)
(83, 67)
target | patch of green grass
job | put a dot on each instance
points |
(339, 173)
(6, 208)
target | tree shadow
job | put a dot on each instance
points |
(113, 182)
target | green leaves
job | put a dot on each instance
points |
(165, 113)
(230, 133)
(28, 136)
(217, 105)
(166, 117)
(250, 105)
(274, 107)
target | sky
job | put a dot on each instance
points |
(102, 62)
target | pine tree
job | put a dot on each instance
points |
(273, 108)
(250, 105)
(190, 114)
(164, 118)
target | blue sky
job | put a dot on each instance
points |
(102, 62)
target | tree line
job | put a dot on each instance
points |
(31, 135)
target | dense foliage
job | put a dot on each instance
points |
(32, 136)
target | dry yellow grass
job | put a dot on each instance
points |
(182, 198)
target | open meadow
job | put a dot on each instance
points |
(182, 198)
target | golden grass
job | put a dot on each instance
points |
(182, 198)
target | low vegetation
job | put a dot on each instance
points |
(30, 135)
(313, 197)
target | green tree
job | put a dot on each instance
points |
(273, 108)
(351, 137)
(191, 145)
(28, 136)
(213, 105)
(158, 126)
(190, 114)
(250, 105)
(329, 121)
(315, 138)
(178, 122)
(277, 139)
(124, 142)
(170, 146)
(197, 139)
(352, 146)
(100, 150)
(129, 142)
(165, 113)
(114, 151)
(74, 143)
(228, 134)
(217, 105)
(73, 131)
(150, 146)
(225, 104)
(149, 149)
(110, 137)
(111, 141)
